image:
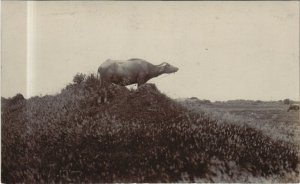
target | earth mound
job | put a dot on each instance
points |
(139, 136)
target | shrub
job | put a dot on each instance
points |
(18, 97)
(92, 81)
(287, 101)
(78, 78)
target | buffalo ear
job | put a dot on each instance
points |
(163, 64)
(167, 65)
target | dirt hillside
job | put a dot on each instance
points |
(139, 136)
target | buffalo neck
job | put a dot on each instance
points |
(156, 70)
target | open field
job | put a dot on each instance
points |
(270, 117)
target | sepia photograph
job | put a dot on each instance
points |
(150, 92)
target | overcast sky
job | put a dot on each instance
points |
(224, 50)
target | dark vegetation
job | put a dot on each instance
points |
(195, 99)
(287, 101)
(140, 136)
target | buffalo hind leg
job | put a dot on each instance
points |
(103, 92)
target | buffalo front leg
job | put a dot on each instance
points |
(103, 92)
(140, 82)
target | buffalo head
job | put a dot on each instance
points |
(167, 68)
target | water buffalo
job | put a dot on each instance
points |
(293, 107)
(132, 71)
